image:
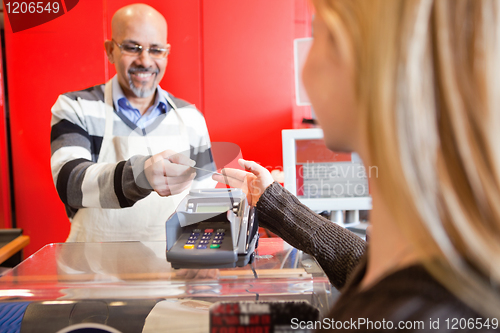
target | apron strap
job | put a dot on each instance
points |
(169, 100)
(109, 110)
(174, 107)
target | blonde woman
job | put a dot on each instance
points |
(413, 86)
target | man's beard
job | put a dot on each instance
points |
(142, 91)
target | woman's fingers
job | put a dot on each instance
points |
(263, 175)
(231, 177)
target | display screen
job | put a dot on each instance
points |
(211, 208)
(322, 173)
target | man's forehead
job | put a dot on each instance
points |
(141, 31)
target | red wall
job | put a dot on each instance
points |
(233, 59)
(5, 205)
(59, 56)
(248, 82)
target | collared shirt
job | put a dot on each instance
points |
(123, 106)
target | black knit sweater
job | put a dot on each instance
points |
(408, 297)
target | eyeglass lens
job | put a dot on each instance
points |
(133, 49)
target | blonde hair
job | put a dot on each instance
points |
(427, 83)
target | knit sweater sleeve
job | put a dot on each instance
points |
(336, 249)
(76, 136)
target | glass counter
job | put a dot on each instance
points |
(123, 271)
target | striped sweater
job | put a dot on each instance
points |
(77, 130)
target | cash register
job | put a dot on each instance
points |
(212, 228)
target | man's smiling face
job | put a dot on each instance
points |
(138, 75)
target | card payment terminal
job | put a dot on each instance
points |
(212, 228)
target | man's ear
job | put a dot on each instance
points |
(109, 46)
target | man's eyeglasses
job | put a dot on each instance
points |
(135, 50)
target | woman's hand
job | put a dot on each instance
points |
(253, 182)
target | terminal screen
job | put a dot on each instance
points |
(200, 208)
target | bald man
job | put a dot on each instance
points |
(122, 152)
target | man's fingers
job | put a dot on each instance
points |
(181, 159)
(176, 170)
(167, 185)
(174, 157)
(169, 172)
(171, 181)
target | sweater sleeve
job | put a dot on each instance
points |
(75, 145)
(337, 250)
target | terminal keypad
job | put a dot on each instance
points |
(204, 239)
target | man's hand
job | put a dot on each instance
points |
(169, 172)
(253, 182)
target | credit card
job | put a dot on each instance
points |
(209, 171)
